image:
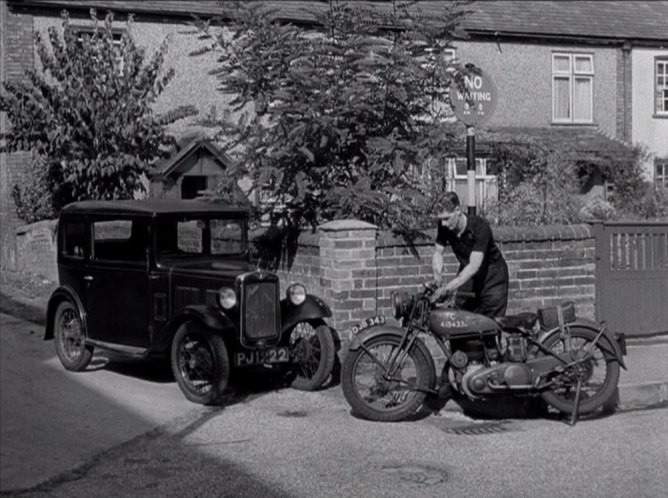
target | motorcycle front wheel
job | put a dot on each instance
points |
(373, 393)
(598, 375)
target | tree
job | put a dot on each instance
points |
(338, 120)
(88, 113)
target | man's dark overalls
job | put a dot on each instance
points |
(490, 283)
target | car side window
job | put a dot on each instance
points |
(120, 240)
(74, 238)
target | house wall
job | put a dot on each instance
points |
(648, 129)
(192, 85)
(16, 56)
(522, 74)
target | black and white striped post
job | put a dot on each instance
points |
(473, 106)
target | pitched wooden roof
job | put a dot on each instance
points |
(170, 164)
(597, 19)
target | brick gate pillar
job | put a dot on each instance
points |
(348, 273)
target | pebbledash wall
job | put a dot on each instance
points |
(355, 267)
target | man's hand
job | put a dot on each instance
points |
(438, 293)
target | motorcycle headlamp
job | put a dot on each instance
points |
(401, 302)
(227, 298)
(296, 293)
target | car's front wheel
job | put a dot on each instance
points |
(71, 347)
(312, 351)
(200, 363)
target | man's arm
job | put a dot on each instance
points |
(475, 261)
(437, 262)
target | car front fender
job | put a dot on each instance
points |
(209, 316)
(63, 293)
(311, 309)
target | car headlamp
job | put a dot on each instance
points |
(296, 294)
(227, 298)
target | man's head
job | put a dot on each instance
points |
(451, 211)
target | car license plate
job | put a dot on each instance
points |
(262, 356)
(368, 323)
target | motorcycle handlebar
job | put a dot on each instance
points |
(430, 288)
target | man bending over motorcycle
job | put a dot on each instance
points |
(482, 269)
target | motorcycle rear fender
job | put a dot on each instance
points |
(63, 293)
(311, 309)
(607, 344)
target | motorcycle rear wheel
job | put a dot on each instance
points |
(373, 397)
(599, 376)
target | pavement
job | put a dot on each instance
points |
(643, 384)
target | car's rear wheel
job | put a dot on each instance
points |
(200, 363)
(69, 337)
(312, 351)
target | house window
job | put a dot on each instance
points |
(117, 35)
(661, 172)
(572, 88)
(661, 86)
(459, 168)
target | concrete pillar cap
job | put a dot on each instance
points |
(338, 225)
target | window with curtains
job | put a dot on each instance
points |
(572, 88)
(661, 86)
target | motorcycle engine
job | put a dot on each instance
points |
(481, 381)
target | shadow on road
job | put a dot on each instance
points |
(29, 313)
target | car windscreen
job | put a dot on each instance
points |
(194, 237)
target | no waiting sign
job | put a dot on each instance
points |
(476, 107)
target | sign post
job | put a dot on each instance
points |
(473, 107)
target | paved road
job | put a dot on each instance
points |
(53, 420)
(289, 443)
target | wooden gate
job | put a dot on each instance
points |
(632, 277)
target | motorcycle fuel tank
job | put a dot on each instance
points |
(449, 322)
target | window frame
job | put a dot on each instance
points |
(480, 168)
(97, 260)
(661, 179)
(117, 35)
(572, 74)
(661, 92)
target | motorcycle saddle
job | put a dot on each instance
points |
(522, 320)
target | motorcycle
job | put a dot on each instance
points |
(388, 371)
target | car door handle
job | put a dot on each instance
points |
(88, 278)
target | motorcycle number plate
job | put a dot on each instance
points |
(262, 357)
(368, 323)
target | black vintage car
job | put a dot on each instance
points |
(174, 278)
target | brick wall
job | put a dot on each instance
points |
(16, 54)
(355, 267)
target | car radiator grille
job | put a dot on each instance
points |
(261, 310)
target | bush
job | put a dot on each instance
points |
(536, 186)
(32, 194)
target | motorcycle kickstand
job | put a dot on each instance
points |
(576, 407)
